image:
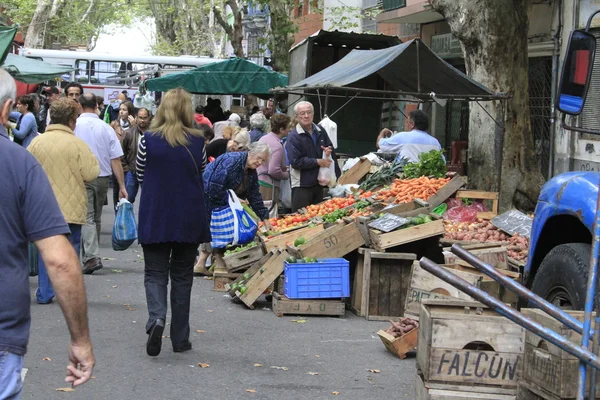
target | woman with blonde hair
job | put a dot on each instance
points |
(172, 220)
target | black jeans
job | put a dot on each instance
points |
(305, 196)
(178, 260)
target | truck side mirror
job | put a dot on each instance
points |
(576, 73)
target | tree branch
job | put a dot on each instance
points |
(87, 12)
(226, 27)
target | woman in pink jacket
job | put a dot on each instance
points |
(271, 174)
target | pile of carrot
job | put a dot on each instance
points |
(406, 190)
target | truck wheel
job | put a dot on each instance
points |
(562, 276)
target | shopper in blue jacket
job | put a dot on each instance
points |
(307, 146)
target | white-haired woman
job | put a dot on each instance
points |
(236, 171)
(257, 126)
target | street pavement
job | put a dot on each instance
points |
(321, 356)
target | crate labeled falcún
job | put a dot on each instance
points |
(463, 342)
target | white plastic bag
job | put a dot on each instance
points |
(326, 175)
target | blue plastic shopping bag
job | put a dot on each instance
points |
(125, 228)
(231, 224)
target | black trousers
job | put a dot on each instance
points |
(305, 196)
(176, 260)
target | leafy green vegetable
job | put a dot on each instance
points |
(430, 164)
(384, 176)
(337, 214)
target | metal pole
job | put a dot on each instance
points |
(326, 102)
(519, 289)
(510, 313)
(418, 69)
(590, 296)
(595, 349)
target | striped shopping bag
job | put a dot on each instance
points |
(222, 227)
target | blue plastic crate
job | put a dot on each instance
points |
(327, 278)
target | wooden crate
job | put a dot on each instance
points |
(481, 195)
(424, 285)
(435, 391)
(529, 391)
(325, 307)
(402, 345)
(240, 261)
(356, 173)
(381, 281)
(259, 282)
(441, 196)
(447, 191)
(548, 366)
(333, 242)
(221, 278)
(497, 257)
(381, 241)
(463, 342)
(282, 240)
(253, 269)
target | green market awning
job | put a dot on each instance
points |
(233, 76)
(7, 35)
(28, 70)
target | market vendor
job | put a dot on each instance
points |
(236, 171)
(307, 147)
(410, 144)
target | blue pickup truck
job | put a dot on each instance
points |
(561, 239)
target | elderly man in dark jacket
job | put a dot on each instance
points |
(306, 147)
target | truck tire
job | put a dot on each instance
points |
(562, 276)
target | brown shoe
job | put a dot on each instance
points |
(92, 265)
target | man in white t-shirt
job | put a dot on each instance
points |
(410, 144)
(105, 145)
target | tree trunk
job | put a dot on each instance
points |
(235, 32)
(34, 37)
(493, 35)
(164, 14)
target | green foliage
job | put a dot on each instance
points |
(430, 164)
(76, 22)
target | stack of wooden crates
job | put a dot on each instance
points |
(550, 373)
(467, 351)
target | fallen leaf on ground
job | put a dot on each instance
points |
(118, 271)
(375, 371)
(318, 356)
(299, 321)
(250, 390)
(210, 310)
(46, 359)
(203, 365)
(335, 393)
(258, 365)
(312, 373)
(166, 337)
(200, 331)
(115, 286)
(126, 305)
(208, 278)
(281, 368)
(130, 309)
(109, 259)
(108, 295)
(65, 390)
(93, 377)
